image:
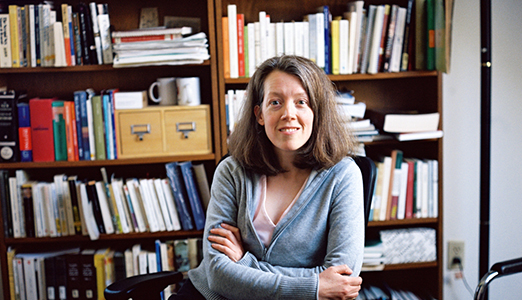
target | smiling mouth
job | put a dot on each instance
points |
(288, 129)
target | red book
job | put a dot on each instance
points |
(226, 47)
(241, 44)
(408, 213)
(42, 129)
(146, 38)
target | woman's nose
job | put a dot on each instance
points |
(289, 111)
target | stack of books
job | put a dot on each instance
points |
(353, 112)
(373, 259)
(159, 46)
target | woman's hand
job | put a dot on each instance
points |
(335, 284)
(227, 240)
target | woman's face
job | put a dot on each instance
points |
(286, 113)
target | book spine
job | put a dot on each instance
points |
(9, 141)
(193, 195)
(27, 200)
(78, 119)
(96, 32)
(430, 27)
(77, 223)
(178, 191)
(241, 44)
(71, 35)
(60, 140)
(83, 20)
(335, 48)
(105, 34)
(93, 198)
(70, 128)
(5, 42)
(226, 47)
(66, 35)
(232, 40)
(6, 203)
(74, 284)
(24, 132)
(98, 124)
(327, 46)
(77, 39)
(407, 37)
(245, 51)
(42, 130)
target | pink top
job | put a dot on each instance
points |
(263, 224)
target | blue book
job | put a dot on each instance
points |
(77, 112)
(327, 57)
(193, 194)
(178, 190)
(84, 125)
(24, 132)
(107, 121)
(111, 101)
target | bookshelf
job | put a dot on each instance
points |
(63, 81)
(390, 92)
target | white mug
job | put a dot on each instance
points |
(166, 91)
(188, 91)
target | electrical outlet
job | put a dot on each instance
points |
(455, 250)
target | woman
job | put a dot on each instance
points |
(285, 220)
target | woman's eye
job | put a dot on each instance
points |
(274, 102)
(301, 102)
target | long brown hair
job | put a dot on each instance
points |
(330, 141)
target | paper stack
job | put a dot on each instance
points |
(159, 46)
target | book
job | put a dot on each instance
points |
(240, 44)
(57, 41)
(104, 25)
(27, 201)
(42, 129)
(358, 8)
(335, 47)
(232, 40)
(404, 122)
(200, 175)
(430, 28)
(9, 132)
(440, 32)
(96, 32)
(14, 12)
(99, 257)
(98, 126)
(108, 224)
(156, 187)
(408, 37)
(178, 190)
(90, 123)
(376, 37)
(130, 100)
(424, 135)
(74, 283)
(6, 203)
(421, 35)
(131, 189)
(5, 41)
(398, 40)
(75, 203)
(71, 131)
(110, 122)
(394, 185)
(226, 47)
(59, 131)
(193, 195)
(88, 212)
(67, 35)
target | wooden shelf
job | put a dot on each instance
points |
(105, 237)
(405, 222)
(395, 267)
(88, 68)
(103, 163)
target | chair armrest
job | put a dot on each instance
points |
(508, 267)
(147, 286)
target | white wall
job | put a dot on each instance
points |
(461, 94)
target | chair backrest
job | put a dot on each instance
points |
(369, 174)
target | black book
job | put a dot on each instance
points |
(93, 197)
(27, 199)
(60, 271)
(9, 143)
(6, 203)
(74, 283)
(88, 275)
(87, 35)
(75, 205)
(50, 277)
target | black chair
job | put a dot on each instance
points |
(149, 286)
(504, 268)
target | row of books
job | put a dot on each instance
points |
(365, 39)
(69, 206)
(85, 273)
(83, 129)
(38, 35)
(405, 188)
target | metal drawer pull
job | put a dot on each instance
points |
(181, 127)
(140, 133)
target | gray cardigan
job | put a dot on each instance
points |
(324, 228)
